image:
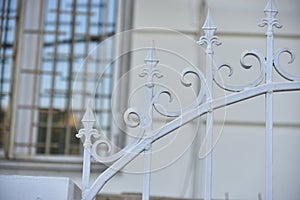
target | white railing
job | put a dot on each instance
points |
(205, 104)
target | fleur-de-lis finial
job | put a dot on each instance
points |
(209, 29)
(151, 69)
(270, 20)
(88, 122)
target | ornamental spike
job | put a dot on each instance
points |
(271, 7)
(209, 37)
(151, 56)
(209, 24)
(89, 114)
(270, 20)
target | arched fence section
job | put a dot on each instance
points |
(204, 104)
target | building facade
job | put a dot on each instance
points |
(51, 38)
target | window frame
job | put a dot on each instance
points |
(122, 9)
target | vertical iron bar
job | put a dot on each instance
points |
(86, 169)
(209, 129)
(209, 39)
(148, 150)
(269, 146)
(86, 133)
(269, 118)
(151, 63)
(270, 20)
(147, 172)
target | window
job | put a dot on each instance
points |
(9, 14)
(41, 51)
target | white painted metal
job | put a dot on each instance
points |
(270, 21)
(204, 104)
(150, 71)
(209, 39)
(87, 133)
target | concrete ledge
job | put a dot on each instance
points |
(38, 188)
(135, 196)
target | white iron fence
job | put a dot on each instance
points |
(205, 104)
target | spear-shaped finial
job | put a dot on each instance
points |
(88, 119)
(209, 24)
(270, 20)
(271, 7)
(151, 56)
(209, 29)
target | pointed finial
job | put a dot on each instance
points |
(151, 56)
(270, 20)
(271, 7)
(209, 37)
(209, 24)
(89, 114)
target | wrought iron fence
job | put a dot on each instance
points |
(205, 104)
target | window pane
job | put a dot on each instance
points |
(8, 10)
(56, 37)
(71, 43)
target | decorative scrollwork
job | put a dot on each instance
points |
(129, 120)
(279, 69)
(254, 83)
(99, 154)
(159, 108)
(97, 145)
(105, 154)
(203, 91)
